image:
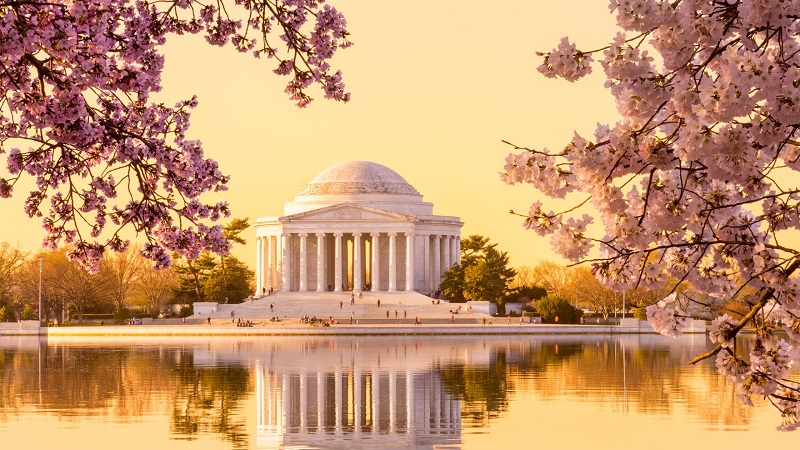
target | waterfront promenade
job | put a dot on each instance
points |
(279, 315)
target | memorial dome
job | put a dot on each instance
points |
(358, 177)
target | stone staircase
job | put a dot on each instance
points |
(293, 305)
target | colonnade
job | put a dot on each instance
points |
(355, 401)
(340, 261)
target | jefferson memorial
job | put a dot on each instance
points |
(356, 226)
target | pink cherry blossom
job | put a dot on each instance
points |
(75, 114)
(697, 183)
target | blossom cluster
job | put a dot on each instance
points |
(76, 114)
(697, 182)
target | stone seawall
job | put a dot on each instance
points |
(296, 329)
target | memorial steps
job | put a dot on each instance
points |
(293, 305)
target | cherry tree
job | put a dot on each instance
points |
(76, 115)
(697, 182)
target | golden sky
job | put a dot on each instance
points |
(436, 85)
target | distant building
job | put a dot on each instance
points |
(357, 225)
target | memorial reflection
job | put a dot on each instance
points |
(381, 392)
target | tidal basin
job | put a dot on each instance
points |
(351, 392)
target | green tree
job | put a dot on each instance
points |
(7, 314)
(482, 275)
(27, 314)
(230, 285)
(232, 232)
(554, 307)
(192, 274)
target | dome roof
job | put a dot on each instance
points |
(358, 177)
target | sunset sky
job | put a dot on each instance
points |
(435, 88)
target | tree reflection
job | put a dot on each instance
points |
(206, 399)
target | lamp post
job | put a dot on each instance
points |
(41, 265)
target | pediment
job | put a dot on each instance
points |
(347, 212)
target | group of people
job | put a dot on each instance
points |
(313, 319)
(243, 323)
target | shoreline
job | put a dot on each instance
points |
(298, 329)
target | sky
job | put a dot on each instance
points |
(436, 86)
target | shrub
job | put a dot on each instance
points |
(640, 313)
(27, 313)
(186, 311)
(7, 314)
(122, 315)
(556, 307)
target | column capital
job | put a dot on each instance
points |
(302, 235)
(374, 234)
(392, 233)
(357, 233)
(409, 234)
(319, 234)
(338, 234)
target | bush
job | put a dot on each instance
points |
(7, 314)
(27, 313)
(640, 313)
(556, 307)
(122, 315)
(186, 311)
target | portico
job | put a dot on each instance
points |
(356, 226)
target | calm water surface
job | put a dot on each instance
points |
(375, 392)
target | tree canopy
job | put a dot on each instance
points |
(697, 181)
(76, 113)
(483, 273)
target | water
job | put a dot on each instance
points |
(376, 392)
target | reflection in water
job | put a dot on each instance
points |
(376, 392)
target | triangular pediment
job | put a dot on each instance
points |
(347, 212)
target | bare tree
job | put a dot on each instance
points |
(123, 271)
(77, 287)
(11, 258)
(155, 288)
(551, 276)
(585, 290)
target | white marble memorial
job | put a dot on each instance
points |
(358, 225)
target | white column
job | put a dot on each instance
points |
(303, 263)
(437, 261)
(392, 262)
(320, 262)
(259, 265)
(357, 281)
(376, 268)
(454, 258)
(285, 270)
(426, 261)
(447, 259)
(337, 279)
(410, 261)
(270, 263)
(458, 249)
